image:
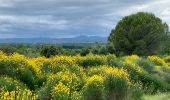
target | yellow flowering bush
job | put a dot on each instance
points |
(131, 57)
(19, 67)
(9, 84)
(167, 60)
(157, 60)
(132, 67)
(116, 81)
(107, 70)
(18, 95)
(91, 60)
(60, 92)
(69, 79)
(94, 88)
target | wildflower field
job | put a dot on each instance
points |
(91, 77)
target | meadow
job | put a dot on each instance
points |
(91, 77)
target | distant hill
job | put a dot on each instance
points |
(79, 39)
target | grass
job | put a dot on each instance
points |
(160, 96)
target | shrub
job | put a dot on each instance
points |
(94, 88)
(157, 60)
(84, 52)
(145, 64)
(116, 87)
(49, 51)
(17, 66)
(92, 60)
(24, 94)
(135, 92)
(153, 83)
(9, 84)
(116, 81)
(68, 79)
(60, 92)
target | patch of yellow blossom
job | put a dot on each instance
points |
(167, 60)
(18, 95)
(128, 61)
(95, 78)
(2, 55)
(71, 80)
(60, 91)
(131, 57)
(157, 60)
(63, 59)
(34, 66)
(107, 70)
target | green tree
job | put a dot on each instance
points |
(84, 52)
(49, 51)
(140, 33)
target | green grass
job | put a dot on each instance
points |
(160, 96)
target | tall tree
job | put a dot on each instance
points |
(140, 33)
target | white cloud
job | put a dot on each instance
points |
(160, 8)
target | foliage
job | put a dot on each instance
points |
(84, 52)
(49, 51)
(97, 77)
(140, 33)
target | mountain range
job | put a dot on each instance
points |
(78, 39)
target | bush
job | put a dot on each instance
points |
(135, 92)
(17, 66)
(49, 51)
(116, 87)
(84, 52)
(92, 60)
(24, 94)
(145, 64)
(9, 84)
(153, 83)
(61, 92)
(157, 60)
(94, 88)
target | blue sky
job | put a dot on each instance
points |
(69, 18)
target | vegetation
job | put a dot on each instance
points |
(96, 77)
(140, 33)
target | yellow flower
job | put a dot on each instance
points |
(159, 61)
(131, 57)
(107, 70)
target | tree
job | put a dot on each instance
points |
(84, 52)
(140, 33)
(49, 51)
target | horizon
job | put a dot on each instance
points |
(84, 36)
(68, 19)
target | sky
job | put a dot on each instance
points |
(70, 18)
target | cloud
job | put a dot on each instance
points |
(67, 18)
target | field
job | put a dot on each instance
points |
(91, 77)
